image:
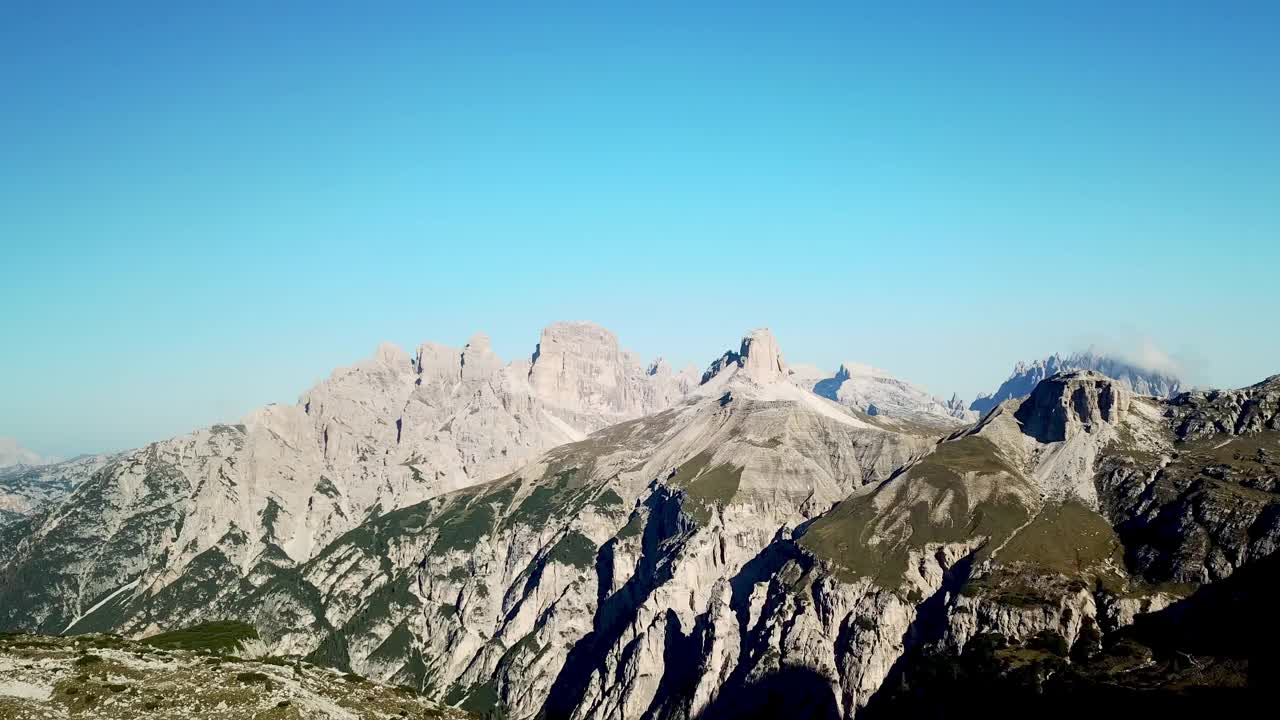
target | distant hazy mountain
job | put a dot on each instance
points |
(1142, 381)
(12, 453)
(26, 488)
(876, 392)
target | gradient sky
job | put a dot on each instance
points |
(204, 209)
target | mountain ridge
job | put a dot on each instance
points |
(1025, 376)
(689, 561)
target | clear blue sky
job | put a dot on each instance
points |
(206, 209)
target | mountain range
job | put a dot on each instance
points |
(1141, 380)
(582, 535)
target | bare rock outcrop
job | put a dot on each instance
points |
(761, 358)
(1073, 402)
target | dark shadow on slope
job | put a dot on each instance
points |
(681, 660)
(1235, 618)
(1212, 654)
(758, 569)
(929, 624)
(792, 693)
(617, 610)
(829, 388)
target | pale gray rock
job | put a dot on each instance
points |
(761, 359)
(876, 392)
(240, 502)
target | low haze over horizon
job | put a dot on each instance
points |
(205, 210)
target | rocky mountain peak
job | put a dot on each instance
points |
(758, 358)
(478, 359)
(1247, 411)
(436, 361)
(393, 356)
(877, 392)
(1068, 403)
(578, 366)
(761, 358)
(956, 407)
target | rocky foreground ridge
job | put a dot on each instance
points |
(730, 546)
(107, 677)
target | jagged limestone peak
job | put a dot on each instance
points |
(758, 358)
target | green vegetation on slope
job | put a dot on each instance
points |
(863, 540)
(706, 487)
(574, 549)
(1067, 538)
(216, 636)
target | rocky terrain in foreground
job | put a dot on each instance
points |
(107, 677)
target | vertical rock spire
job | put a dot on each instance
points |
(760, 358)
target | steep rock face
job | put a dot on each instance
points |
(1025, 377)
(1248, 411)
(1070, 403)
(1026, 502)
(761, 358)
(579, 369)
(162, 532)
(956, 408)
(758, 358)
(1206, 501)
(698, 607)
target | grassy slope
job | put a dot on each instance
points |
(847, 535)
